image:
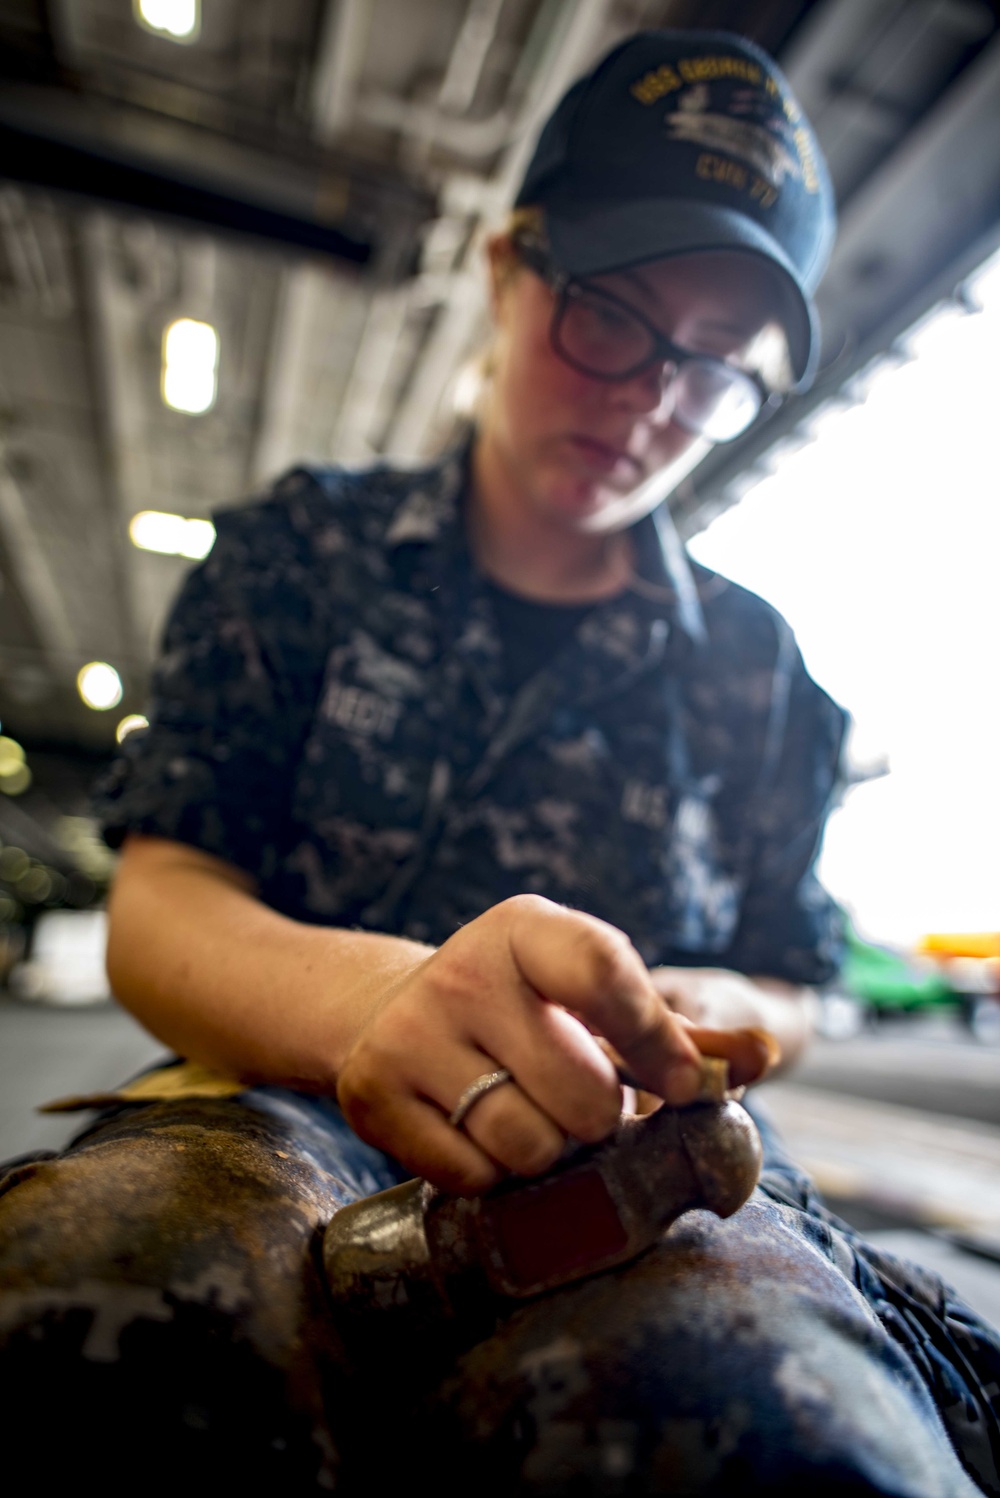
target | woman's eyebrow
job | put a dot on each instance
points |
(741, 330)
(635, 278)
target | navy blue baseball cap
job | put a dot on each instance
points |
(682, 141)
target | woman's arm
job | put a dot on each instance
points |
(399, 1030)
(222, 978)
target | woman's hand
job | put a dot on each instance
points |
(528, 986)
(400, 1030)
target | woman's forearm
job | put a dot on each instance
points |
(223, 979)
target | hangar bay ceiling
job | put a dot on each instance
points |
(313, 181)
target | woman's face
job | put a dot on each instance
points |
(577, 447)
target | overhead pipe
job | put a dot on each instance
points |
(468, 56)
(579, 30)
(477, 139)
(343, 46)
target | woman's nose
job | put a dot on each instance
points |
(651, 391)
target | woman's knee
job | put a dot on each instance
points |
(193, 1199)
(734, 1358)
(160, 1290)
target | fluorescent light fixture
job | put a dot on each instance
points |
(190, 365)
(99, 685)
(180, 20)
(129, 724)
(153, 530)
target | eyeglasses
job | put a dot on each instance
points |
(603, 336)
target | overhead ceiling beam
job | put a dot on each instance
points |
(298, 195)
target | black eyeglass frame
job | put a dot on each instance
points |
(664, 350)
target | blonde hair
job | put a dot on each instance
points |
(526, 226)
(472, 379)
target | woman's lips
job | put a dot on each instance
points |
(603, 457)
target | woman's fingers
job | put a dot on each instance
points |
(751, 1052)
(401, 1098)
(509, 1128)
(559, 1065)
(507, 1125)
(420, 1137)
(586, 966)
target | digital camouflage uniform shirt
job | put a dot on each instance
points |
(331, 714)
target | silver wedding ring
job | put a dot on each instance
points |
(475, 1090)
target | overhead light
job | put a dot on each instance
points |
(99, 685)
(129, 724)
(11, 752)
(190, 365)
(173, 535)
(15, 776)
(180, 20)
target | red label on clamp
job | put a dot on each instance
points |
(552, 1232)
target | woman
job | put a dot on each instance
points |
(398, 1040)
(461, 787)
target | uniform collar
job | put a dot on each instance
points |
(662, 565)
(430, 515)
(430, 511)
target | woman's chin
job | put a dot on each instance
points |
(583, 498)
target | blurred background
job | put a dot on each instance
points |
(238, 235)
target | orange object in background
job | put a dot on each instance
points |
(969, 962)
(960, 944)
